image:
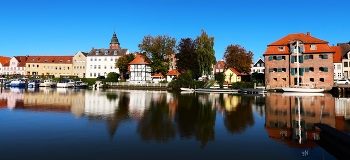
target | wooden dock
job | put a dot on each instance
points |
(334, 141)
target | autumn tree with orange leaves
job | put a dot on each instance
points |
(239, 58)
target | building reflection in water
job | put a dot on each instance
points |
(290, 117)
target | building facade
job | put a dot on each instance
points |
(258, 67)
(140, 69)
(345, 50)
(100, 62)
(49, 66)
(338, 66)
(299, 55)
(79, 63)
(219, 67)
(4, 61)
(232, 75)
(16, 66)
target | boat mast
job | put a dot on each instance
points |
(297, 63)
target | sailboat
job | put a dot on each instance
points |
(301, 87)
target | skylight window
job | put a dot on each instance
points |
(281, 48)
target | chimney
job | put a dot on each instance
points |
(308, 33)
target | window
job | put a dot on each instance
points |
(68, 60)
(94, 66)
(105, 67)
(37, 66)
(274, 79)
(284, 79)
(91, 59)
(28, 65)
(312, 80)
(61, 60)
(97, 52)
(281, 48)
(106, 52)
(323, 69)
(90, 66)
(321, 79)
(313, 47)
(346, 64)
(99, 66)
(338, 67)
(115, 52)
(45, 61)
(105, 58)
(111, 59)
(323, 56)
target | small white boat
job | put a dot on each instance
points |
(187, 89)
(80, 84)
(66, 83)
(48, 83)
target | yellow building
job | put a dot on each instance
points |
(79, 63)
(49, 65)
(232, 75)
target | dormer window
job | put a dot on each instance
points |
(68, 60)
(53, 61)
(97, 52)
(106, 52)
(313, 47)
(281, 48)
(61, 60)
(115, 52)
(45, 61)
(32, 59)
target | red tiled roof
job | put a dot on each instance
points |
(306, 38)
(337, 55)
(158, 75)
(321, 45)
(173, 72)
(50, 59)
(4, 60)
(21, 61)
(235, 71)
(140, 59)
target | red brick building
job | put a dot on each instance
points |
(314, 60)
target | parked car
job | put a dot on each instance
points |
(341, 81)
(101, 77)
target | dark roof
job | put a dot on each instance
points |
(110, 52)
(50, 59)
(345, 48)
(259, 61)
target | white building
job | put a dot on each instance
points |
(16, 66)
(337, 61)
(345, 51)
(140, 69)
(100, 62)
(258, 67)
(4, 61)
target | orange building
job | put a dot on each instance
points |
(299, 55)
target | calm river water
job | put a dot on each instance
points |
(131, 124)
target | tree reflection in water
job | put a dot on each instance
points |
(120, 115)
(156, 122)
(238, 119)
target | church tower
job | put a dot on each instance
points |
(114, 42)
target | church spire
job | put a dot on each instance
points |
(114, 42)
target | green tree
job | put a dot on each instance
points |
(238, 58)
(123, 63)
(205, 52)
(187, 57)
(220, 77)
(157, 49)
(112, 77)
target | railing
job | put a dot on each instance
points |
(127, 84)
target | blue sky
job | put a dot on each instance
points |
(64, 27)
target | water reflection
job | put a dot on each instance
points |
(162, 117)
(290, 117)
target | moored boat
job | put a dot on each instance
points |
(66, 83)
(80, 84)
(48, 83)
(34, 83)
(20, 82)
